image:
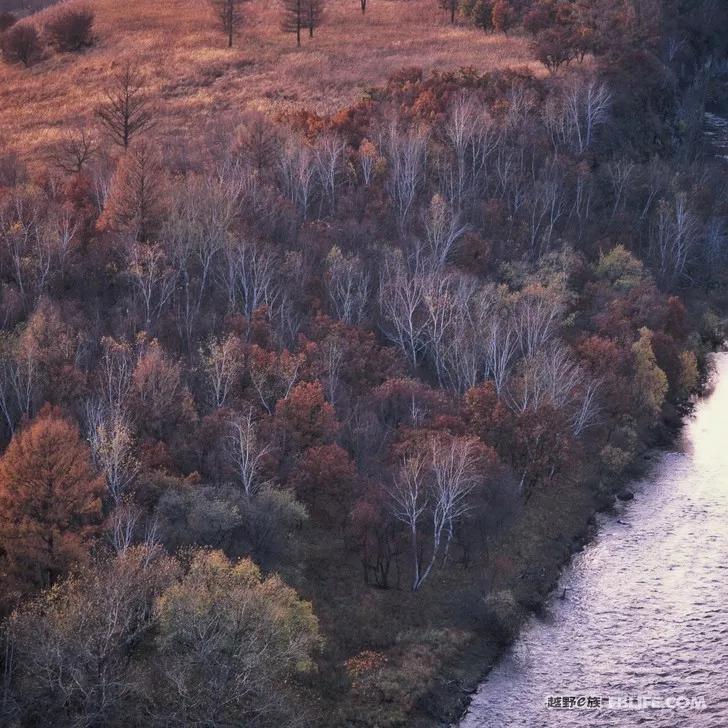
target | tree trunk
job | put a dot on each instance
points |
(416, 558)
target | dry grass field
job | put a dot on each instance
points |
(194, 77)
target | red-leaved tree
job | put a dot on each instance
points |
(50, 501)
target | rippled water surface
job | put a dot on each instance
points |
(646, 605)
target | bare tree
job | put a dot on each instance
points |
(430, 493)
(19, 374)
(368, 157)
(502, 345)
(551, 376)
(35, 238)
(294, 17)
(595, 102)
(328, 159)
(115, 373)
(314, 14)
(472, 137)
(221, 363)
(274, 380)
(126, 110)
(109, 435)
(586, 412)
(297, 173)
(197, 230)
(60, 230)
(455, 475)
(153, 280)
(406, 158)
(19, 232)
(619, 172)
(451, 6)
(409, 501)
(349, 286)
(332, 351)
(544, 204)
(674, 234)
(440, 312)
(230, 15)
(460, 319)
(535, 320)
(74, 647)
(249, 276)
(573, 115)
(247, 454)
(443, 229)
(74, 149)
(401, 304)
(122, 526)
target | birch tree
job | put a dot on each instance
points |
(247, 454)
(430, 493)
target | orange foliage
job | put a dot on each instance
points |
(50, 500)
(306, 418)
(324, 479)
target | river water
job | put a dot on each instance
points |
(643, 625)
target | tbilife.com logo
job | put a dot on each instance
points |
(625, 702)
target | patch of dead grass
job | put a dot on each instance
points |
(189, 71)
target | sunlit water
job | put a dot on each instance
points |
(646, 606)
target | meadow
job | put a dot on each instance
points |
(194, 78)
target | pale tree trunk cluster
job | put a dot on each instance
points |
(429, 494)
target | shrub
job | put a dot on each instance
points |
(479, 12)
(21, 44)
(503, 16)
(552, 48)
(70, 29)
(6, 21)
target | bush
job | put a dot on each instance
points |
(6, 21)
(503, 16)
(479, 12)
(21, 44)
(70, 29)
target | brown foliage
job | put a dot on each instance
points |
(21, 44)
(306, 418)
(135, 201)
(6, 21)
(160, 399)
(70, 29)
(323, 481)
(50, 500)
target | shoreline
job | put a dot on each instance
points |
(446, 702)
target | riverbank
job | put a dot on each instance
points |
(447, 701)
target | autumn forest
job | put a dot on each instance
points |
(311, 375)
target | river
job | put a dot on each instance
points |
(642, 628)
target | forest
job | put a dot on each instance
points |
(298, 405)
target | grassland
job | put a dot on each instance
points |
(194, 78)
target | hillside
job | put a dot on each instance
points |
(317, 364)
(194, 77)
